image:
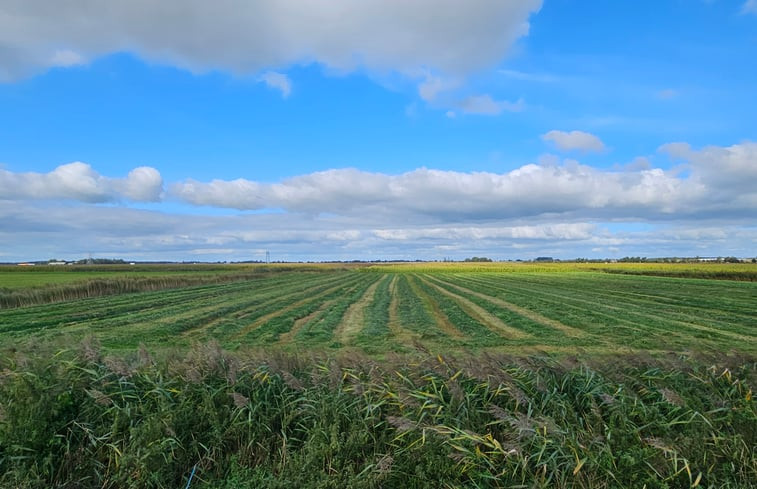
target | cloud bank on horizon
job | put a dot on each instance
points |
(518, 200)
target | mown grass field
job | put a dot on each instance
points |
(416, 307)
(14, 277)
(411, 375)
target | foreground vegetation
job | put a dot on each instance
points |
(85, 419)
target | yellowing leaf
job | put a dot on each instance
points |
(696, 482)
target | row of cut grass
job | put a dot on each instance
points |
(615, 321)
(403, 312)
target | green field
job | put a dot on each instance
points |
(382, 310)
(401, 375)
(15, 277)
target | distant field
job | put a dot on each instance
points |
(409, 307)
(15, 277)
(726, 271)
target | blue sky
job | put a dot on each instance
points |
(377, 129)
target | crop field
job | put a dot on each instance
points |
(396, 375)
(383, 310)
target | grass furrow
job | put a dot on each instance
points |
(535, 318)
(282, 303)
(688, 302)
(353, 320)
(268, 328)
(734, 330)
(321, 331)
(480, 314)
(466, 320)
(431, 309)
(622, 325)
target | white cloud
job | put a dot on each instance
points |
(558, 207)
(409, 37)
(574, 140)
(720, 179)
(731, 169)
(447, 196)
(676, 150)
(278, 81)
(143, 184)
(432, 86)
(78, 181)
(639, 163)
(749, 7)
(486, 105)
(66, 57)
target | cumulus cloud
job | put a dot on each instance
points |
(278, 81)
(676, 150)
(530, 190)
(80, 182)
(720, 179)
(65, 58)
(410, 37)
(729, 169)
(574, 140)
(486, 105)
(732, 170)
(558, 207)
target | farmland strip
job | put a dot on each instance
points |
(125, 309)
(480, 314)
(291, 306)
(432, 306)
(354, 319)
(400, 334)
(195, 318)
(621, 313)
(274, 327)
(691, 299)
(665, 319)
(287, 337)
(680, 306)
(532, 315)
(322, 329)
(590, 318)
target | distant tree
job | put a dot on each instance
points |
(478, 259)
